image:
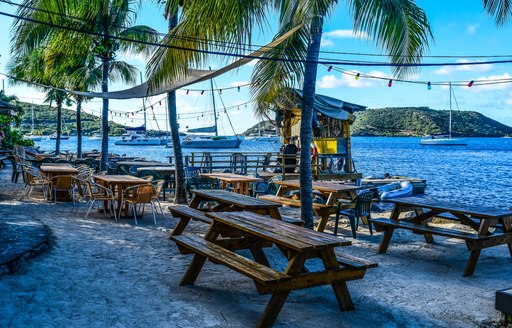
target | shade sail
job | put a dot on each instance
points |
(332, 107)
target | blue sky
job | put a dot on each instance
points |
(460, 28)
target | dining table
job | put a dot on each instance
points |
(52, 170)
(240, 183)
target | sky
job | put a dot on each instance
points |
(460, 29)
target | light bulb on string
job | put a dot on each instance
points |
(160, 102)
(188, 92)
(390, 83)
(329, 69)
(429, 86)
(202, 92)
(357, 76)
(238, 89)
(220, 91)
(470, 84)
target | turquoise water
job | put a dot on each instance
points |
(479, 173)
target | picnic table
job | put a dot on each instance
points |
(240, 182)
(117, 183)
(478, 218)
(297, 245)
(331, 190)
(225, 200)
(59, 169)
(142, 163)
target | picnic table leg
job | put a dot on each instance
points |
(197, 263)
(429, 239)
(507, 227)
(180, 227)
(340, 288)
(274, 213)
(324, 217)
(277, 300)
(386, 238)
(473, 259)
(194, 203)
(259, 255)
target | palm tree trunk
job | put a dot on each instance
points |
(306, 129)
(79, 126)
(104, 115)
(180, 192)
(59, 128)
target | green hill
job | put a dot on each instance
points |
(419, 121)
(45, 122)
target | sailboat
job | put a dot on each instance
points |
(31, 135)
(196, 139)
(445, 140)
(263, 137)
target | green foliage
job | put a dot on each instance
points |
(419, 121)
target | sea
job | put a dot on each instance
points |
(478, 174)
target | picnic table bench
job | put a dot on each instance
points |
(297, 245)
(480, 219)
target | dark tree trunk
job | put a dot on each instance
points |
(59, 128)
(79, 126)
(180, 191)
(104, 116)
(306, 130)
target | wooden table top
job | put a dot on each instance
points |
(138, 163)
(120, 179)
(278, 232)
(158, 169)
(325, 186)
(64, 169)
(230, 177)
(232, 198)
(476, 212)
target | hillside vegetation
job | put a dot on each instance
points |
(419, 121)
(45, 122)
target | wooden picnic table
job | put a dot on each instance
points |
(331, 190)
(478, 218)
(57, 169)
(240, 182)
(230, 200)
(297, 245)
(118, 183)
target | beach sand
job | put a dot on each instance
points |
(98, 273)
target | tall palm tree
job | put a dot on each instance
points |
(398, 26)
(30, 67)
(101, 23)
(500, 9)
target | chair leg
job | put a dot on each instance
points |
(89, 208)
(368, 218)
(336, 224)
(134, 209)
(353, 225)
(153, 211)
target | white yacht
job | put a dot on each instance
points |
(266, 138)
(31, 135)
(96, 136)
(133, 138)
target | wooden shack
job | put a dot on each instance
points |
(331, 132)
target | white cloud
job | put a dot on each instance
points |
(326, 43)
(447, 70)
(471, 29)
(346, 34)
(346, 80)
(491, 87)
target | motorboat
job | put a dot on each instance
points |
(96, 136)
(265, 138)
(33, 137)
(62, 136)
(133, 138)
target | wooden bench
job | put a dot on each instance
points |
(324, 211)
(451, 217)
(423, 229)
(185, 214)
(260, 274)
(353, 262)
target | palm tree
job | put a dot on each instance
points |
(500, 9)
(31, 67)
(398, 26)
(102, 23)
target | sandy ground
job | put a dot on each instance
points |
(99, 273)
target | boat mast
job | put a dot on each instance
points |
(450, 119)
(143, 106)
(214, 109)
(32, 113)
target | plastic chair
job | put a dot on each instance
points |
(145, 173)
(111, 168)
(139, 195)
(359, 208)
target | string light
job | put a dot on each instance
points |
(470, 84)
(429, 86)
(238, 89)
(390, 83)
(357, 76)
(202, 92)
(188, 91)
(329, 69)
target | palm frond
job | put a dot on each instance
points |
(500, 9)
